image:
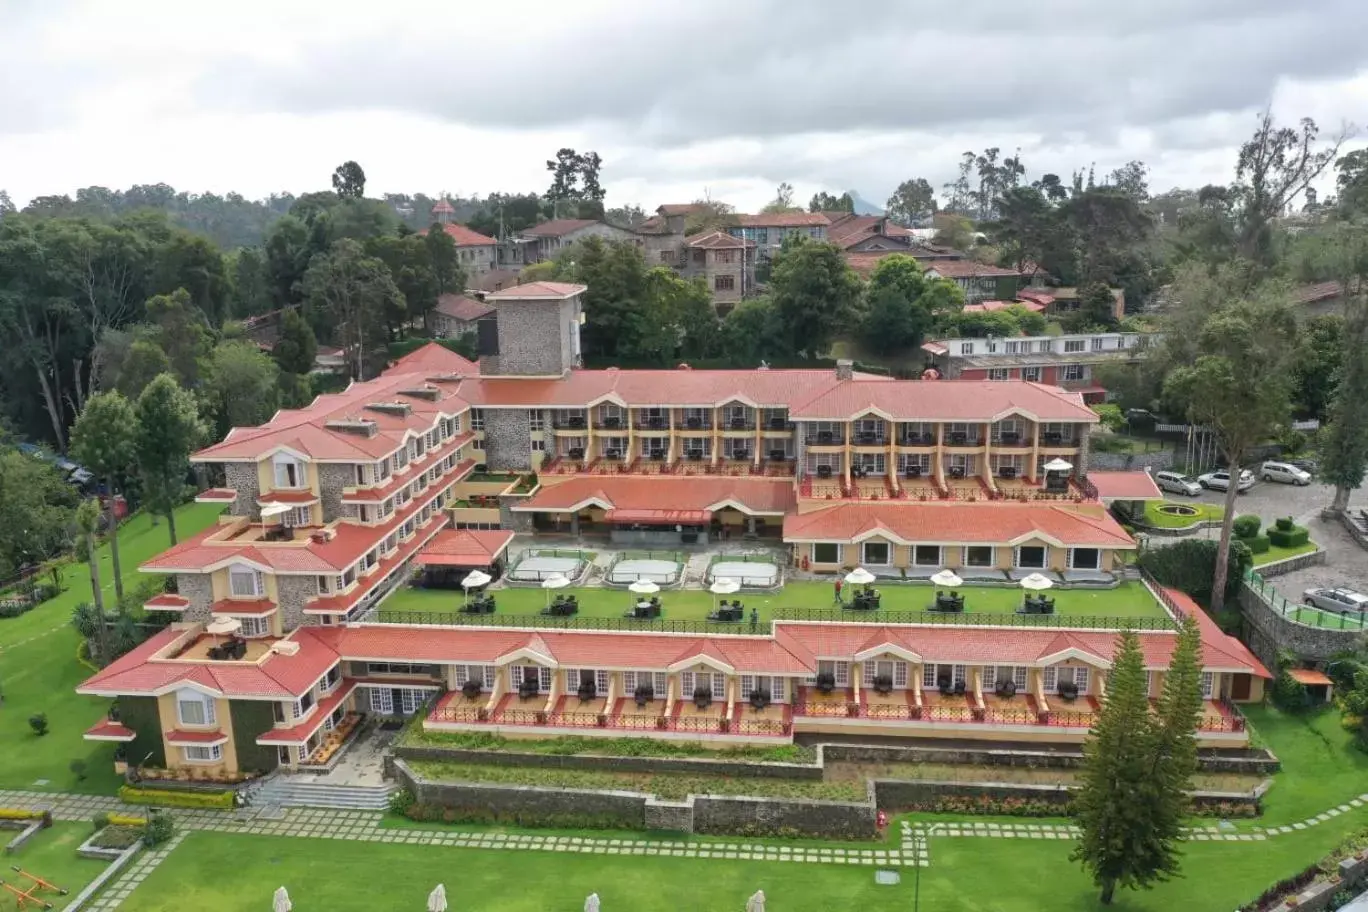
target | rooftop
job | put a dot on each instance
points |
(960, 523)
(558, 227)
(465, 237)
(460, 307)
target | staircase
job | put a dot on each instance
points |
(307, 791)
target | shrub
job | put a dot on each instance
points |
(100, 820)
(118, 837)
(39, 723)
(433, 813)
(1189, 565)
(1289, 538)
(78, 769)
(160, 828)
(21, 814)
(403, 803)
(125, 820)
(1259, 544)
(224, 800)
(1284, 524)
(1246, 526)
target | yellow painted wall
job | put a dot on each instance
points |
(166, 712)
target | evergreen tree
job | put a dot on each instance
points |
(1127, 807)
(104, 441)
(169, 428)
(1178, 712)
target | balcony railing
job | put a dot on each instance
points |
(652, 423)
(609, 423)
(569, 422)
(699, 725)
(869, 438)
(694, 423)
(738, 424)
(916, 438)
(963, 438)
(1012, 439)
(1055, 439)
(824, 438)
(777, 423)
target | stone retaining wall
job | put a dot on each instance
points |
(787, 816)
(701, 766)
(1289, 564)
(897, 795)
(1113, 462)
(1353, 529)
(1353, 874)
(1254, 762)
(1267, 633)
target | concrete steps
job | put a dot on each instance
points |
(299, 791)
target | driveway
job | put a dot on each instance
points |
(1346, 563)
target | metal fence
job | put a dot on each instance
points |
(976, 619)
(575, 622)
(1306, 615)
(701, 725)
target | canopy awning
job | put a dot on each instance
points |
(1309, 677)
(464, 548)
(658, 517)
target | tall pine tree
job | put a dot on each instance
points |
(1133, 794)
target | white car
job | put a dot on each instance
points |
(1340, 601)
(1284, 472)
(1177, 483)
(1220, 481)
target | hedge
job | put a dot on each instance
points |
(1246, 527)
(220, 800)
(1289, 538)
(1258, 544)
(21, 814)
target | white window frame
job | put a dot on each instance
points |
(1096, 566)
(255, 626)
(988, 678)
(1043, 565)
(382, 701)
(869, 561)
(1020, 675)
(202, 753)
(940, 556)
(964, 556)
(1049, 679)
(536, 420)
(238, 571)
(1030, 374)
(280, 469)
(477, 419)
(812, 552)
(1098, 343)
(1071, 372)
(206, 704)
(1073, 346)
(999, 373)
(1208, 685)
(929, 676)
(966, 348)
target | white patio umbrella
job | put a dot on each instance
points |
(860, 577)
(946, 578)
(281, 901)
(591, 904)
(1058, 465)
(223, 626)
(475, 579)
(554, 581)
(757, 902)
(437, 901)
(1036, 582)
(724, 586)
(643, 587)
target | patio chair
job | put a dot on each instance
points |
(702, 697)
(883, 684)
(945, 686)
(527, 689)
(587, 691)
(1068, 691)
(826, 682)
(471, 689)
(959, 689)
(759, 699)
(643, 694)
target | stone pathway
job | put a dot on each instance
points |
(914, 848)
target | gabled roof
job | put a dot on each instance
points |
(716, 240)
(969, 269)
(459, 307)
(465, 548)
(465, 237)
(558, 227)
(1118, 485)
(782, 220)
(945, 400)
(758, 496)
(956, 523)
(442, 206)
(537, 291)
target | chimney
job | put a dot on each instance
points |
(359, 426)
(430, 393)
(398, 409)
(845, 369)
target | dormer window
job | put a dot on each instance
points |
(289, 473)
(194, 708)
(244, 582)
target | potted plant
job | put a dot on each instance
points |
(702, 696)
(883, 684)
(1068, 690)
(759, 699)
(471, 689)
(826, 682)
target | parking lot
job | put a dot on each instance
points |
(1346, 563)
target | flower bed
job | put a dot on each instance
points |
(166, 798)
(335, 740)
(117, 837)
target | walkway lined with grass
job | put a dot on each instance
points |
(39, 670)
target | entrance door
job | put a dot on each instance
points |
(1239, 687)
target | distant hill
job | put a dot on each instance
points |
(863, 206)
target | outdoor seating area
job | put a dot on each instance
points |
(233, 649)
(728, 613)
(645, 609)
(562, 606)
(1037, 604)
(481, 604)
(866, 599)
(952, 603)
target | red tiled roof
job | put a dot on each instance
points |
(1322, 291)
(946, 400)
(536, 290)
(1037, 295)
(770, 496)
(459, 307)
(969, 269)
(109, 731)
(1125, 485)
(1219, 650)
(955, 523)
(341, 604)
(558, 227)
(657, 517)
(167, 601)
(849, 231)
(465, 548)
(303, 731)
(995, 306)
(863, 262)
(716, 240)
(216, 495)
(443, 206)
(243, 607)
(1309, 677)
(465, 237)
(288, 497)
(181, 736)
(783, 220)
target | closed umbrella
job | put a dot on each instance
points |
(757, 902)
(946, 578)
(860, 577)
(591, 904)
(437, 901)
(281, 901)
(554, 581)
(724, 586)
(473, 580)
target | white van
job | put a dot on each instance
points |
(1284, 472)
(1177, 483)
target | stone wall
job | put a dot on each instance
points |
(1255, 762)
(676, 816)
(1288, 565)
(199, 589)
(760, 816)
(701, 766)
(1353, 874)
(1267, 632)
(534, 339)
(292, 593)
(518, 522)
(242, 477)
(507, 440)
(1357, 533)
(1158, 460)
(331, 480)
(898, 795)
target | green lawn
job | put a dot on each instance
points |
(1275, 553)
(1127, 600)
(1206, 512)
(52, 856)
(39, 670)
(1321, 766)
(342, 876)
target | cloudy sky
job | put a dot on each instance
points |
(721, 96)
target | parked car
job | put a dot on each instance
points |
(1177, 483)
(1340, 601)
(1219, 480)
(1310, 466)
(1284, 472)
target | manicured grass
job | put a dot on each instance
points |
(52, 856)
(1275, 553)
(1206, 512)
(343, 876)
(1321, 766)
(1127, 600)
(39, 670)
(606, 747)
(672, 786)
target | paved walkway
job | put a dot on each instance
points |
(913, 847)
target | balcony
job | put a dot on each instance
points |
(869, 438)
(455, 712)
(963, 439)
(609, 422)
(1012, 440)
(824, 438)
(738, 423)
(694, 422)
(651, 422)
(916, 439)
(776, 423)
(569, 422)
(1060, 440)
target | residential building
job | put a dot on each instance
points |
(983, 283)
(769, 230)
(331, 507)
(1057, 302)
(456, 315)
(544, 241)
(1066, 361)
(474, 251)
(726, 264)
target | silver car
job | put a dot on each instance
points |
(1177, 483)
(1340, 601)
